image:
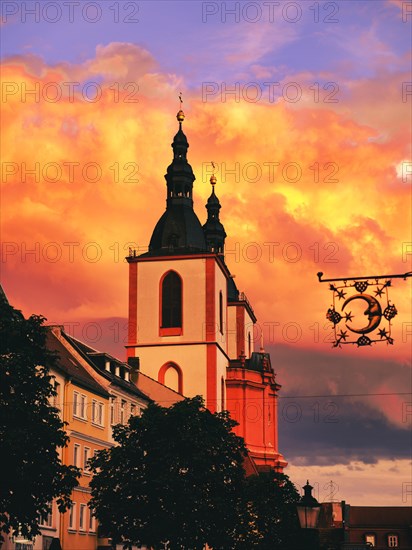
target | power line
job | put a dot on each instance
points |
(303, 396)
(344, 395)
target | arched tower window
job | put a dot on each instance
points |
(221, 312)
(171, 375)
(171, 302)
(249, 344)
(222, 394)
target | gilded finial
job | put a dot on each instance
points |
(213, 178)
(180, 115)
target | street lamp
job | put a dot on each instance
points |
(308, 509)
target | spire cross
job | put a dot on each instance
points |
(180, 115)
(213, 179)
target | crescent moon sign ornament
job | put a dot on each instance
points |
(373, 311)
(380, 311)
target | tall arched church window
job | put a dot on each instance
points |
(221, 312)
(171, 303)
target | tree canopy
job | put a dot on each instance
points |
(174, 479)
(31, 431)
(270, 513)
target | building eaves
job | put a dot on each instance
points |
(97, 359)
(68, 365)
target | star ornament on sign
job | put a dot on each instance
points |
(351, 325)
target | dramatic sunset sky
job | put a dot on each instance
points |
(305, 109)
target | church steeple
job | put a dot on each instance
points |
(179, 229)
(213, 229)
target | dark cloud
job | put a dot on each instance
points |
(336, 408)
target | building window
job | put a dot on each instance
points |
(171, 301)
(75, 403)
(122, 411)
(76, 455)
(82, 411)
(82, 517)
(46, 542)
(97, 412)
(249, 344)
(47, 519)
(92, 522)
(86, 456)
(113, 411)
(370, 538)
(72, 516)
(221, 312)
(393, 541)
(79, 405)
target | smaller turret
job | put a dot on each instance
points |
(213, 229)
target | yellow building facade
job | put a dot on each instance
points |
(94, 392)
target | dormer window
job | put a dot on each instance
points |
(393, 541)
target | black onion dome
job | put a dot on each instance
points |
(178, 231)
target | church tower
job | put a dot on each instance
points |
(178, 292)
(188, 323)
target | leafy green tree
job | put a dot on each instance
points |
(269, 520)
(174, 479)
(31, 431)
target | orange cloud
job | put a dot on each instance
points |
(304, 188)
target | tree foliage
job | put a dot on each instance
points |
(174, 479)
(31, 431)
(270, 519)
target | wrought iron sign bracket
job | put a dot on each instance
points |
(373, 277)
(379, 308)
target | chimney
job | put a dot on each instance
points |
(134, 362)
